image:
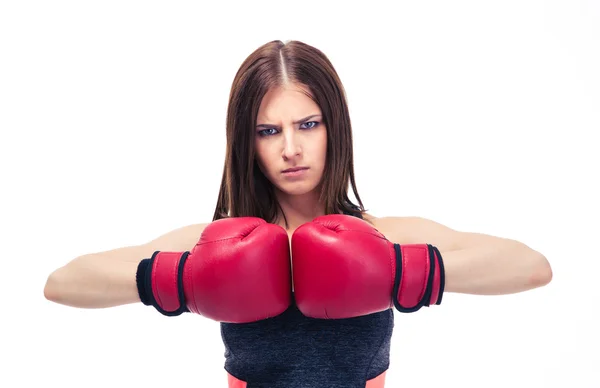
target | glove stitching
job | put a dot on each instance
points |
(378, 234)
(392, 257)
(425, 275)
(155, 289)
(222, 239)
(423, 281)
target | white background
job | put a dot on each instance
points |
(113, 115)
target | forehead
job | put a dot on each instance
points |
(289, 102)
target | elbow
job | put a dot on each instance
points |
(542, 272)
(54, 289)
(51, 288)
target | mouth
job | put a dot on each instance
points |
(295, 169)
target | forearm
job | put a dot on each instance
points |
(93, 282)
(504, 267)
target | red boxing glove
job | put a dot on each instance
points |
(238, 272)
(343, 267)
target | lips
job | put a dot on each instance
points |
(295, 169)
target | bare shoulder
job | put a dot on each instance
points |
(177, 240)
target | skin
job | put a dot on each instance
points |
(474, 263)
(290, 133)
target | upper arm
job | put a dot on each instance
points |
(178, 240)
(418, 230)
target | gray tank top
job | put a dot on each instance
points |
(294, 351)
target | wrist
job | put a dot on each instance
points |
(159, 282)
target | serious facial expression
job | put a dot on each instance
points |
(291, 140)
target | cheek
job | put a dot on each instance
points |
(322, 149)
(263, 158)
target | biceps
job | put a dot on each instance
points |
(178, 240)
(418, 230)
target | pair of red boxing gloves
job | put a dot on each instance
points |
(241, 271)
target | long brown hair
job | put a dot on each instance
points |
(245, 191)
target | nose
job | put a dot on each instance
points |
(291, 146)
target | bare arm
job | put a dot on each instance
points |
(474, 263)
(107, 279)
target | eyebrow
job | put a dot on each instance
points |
(295, 122)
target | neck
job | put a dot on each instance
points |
(299, 209)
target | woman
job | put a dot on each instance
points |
(283, 209)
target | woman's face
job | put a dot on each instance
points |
(291, 140)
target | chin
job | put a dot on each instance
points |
(297, 189)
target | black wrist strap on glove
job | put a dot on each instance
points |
(143, 279)
(140, 276)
